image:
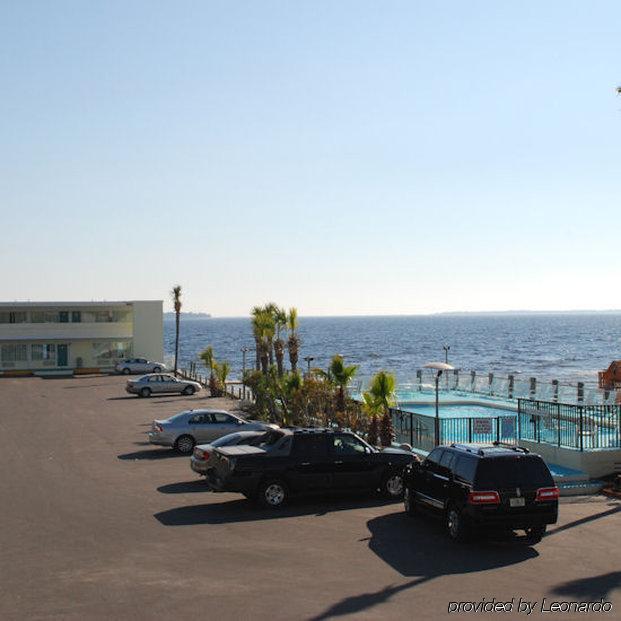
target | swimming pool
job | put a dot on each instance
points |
(457, 410)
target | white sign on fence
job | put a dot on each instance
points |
(481, 426)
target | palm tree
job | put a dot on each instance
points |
(176, 297)
(254, 313)
(222, 371)
(339, 375)
(280, 321)
(293, 342)
(210, 362)
(382, 389)
(263, 327)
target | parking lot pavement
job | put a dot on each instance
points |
(97, 524)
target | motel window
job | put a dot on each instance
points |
(13, 317)
(76, 317)
(44, 317)
(63, 317)
(43, 352)
(13, 353)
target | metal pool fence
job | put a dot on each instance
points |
(581, 427)
(569, 425)
(418, 430)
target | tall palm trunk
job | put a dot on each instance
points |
(176, 340)
(257, 351)
(279, 351)
(293, 352)
(176, 296)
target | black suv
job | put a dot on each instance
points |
(292, 461)
(484, 488)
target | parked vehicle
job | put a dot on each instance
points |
(202, 457)
(156, 383)
(477, 488)
(186, 429)
(302, 460)
(139, 365)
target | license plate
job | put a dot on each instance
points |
(516, 502)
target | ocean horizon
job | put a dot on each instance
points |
(570, 346)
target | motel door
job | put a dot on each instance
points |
(62, 355)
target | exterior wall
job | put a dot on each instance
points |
(148, 330)
(596, 463)
(124, 329)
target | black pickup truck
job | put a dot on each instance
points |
(292, 461)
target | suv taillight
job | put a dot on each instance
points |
(484, 498)
(547, 493)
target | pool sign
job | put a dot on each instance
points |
(482, 425)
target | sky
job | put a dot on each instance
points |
(346, 158)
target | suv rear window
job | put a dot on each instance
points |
(464, 469)
(513, 471)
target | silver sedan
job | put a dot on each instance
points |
(157, 383)
(186, 429)
(201, 461)
(139, 365)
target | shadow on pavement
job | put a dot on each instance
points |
(243, 510)
(420, 548)
(584, 520)
(591, 588)
(185, 487)
(162, 453)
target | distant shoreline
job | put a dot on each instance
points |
(507, 313)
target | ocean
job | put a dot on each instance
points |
(567, 347)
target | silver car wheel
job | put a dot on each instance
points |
(394, 485)
(185, 444)
(274, 494)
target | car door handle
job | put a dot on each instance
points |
(338, 463)
(305, 463)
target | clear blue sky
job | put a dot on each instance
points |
(343, 157)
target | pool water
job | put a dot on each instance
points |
(456, 410)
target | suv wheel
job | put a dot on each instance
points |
(535, 534)
(145, 392)
(184, 445)
(272, 494)
(126, 371)
(392, 485)
(455, 525)
(409, 502)
(189, 390)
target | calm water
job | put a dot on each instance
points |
(567, 347)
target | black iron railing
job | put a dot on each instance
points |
(570, 425)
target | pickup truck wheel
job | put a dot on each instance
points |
(272, 493)
(535, 534)
(189, 390)
(184, 444)
(409, 502)
(392, 485)
(145, 392)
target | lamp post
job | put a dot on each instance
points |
(446, 349)
(308, 360)
(439, 367)
(244, 351)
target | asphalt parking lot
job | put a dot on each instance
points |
(97, 524)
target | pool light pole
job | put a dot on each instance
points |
(439, 367)
(244, 351)
(308, 360)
